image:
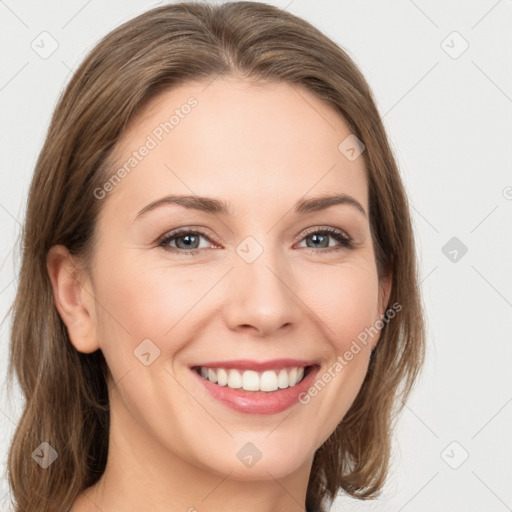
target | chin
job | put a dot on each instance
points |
(261, 457)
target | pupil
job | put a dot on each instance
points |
(316, 238)
(187, 238)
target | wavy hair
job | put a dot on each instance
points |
(65, 391)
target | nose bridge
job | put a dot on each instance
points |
(262, 294)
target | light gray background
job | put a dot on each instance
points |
(448, 116)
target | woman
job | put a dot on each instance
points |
(218, 303)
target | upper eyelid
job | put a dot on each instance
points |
(329, 229)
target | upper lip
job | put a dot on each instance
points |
(247, 364)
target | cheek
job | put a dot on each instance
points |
(348, 310)
(344, 298)
(357, 308)
(143, 299)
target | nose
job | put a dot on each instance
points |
(261, 296)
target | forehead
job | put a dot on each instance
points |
(251, 144)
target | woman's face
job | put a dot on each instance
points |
(266, 295)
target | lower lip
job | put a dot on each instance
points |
(259, 402)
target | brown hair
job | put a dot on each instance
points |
(66, 391)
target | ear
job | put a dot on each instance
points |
(74, 298)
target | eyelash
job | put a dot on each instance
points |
(345, 241)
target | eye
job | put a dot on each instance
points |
(320, 238)
(184, 239)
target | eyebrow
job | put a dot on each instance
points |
(219, 207)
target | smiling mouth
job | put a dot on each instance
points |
(249, 380)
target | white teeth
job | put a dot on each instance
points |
(282, 379)
(250, 380)
(268, 381)
(222, 377)
(234, 379)
(292, 377)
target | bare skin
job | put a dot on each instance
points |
(261, 148)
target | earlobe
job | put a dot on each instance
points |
(74, 302)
